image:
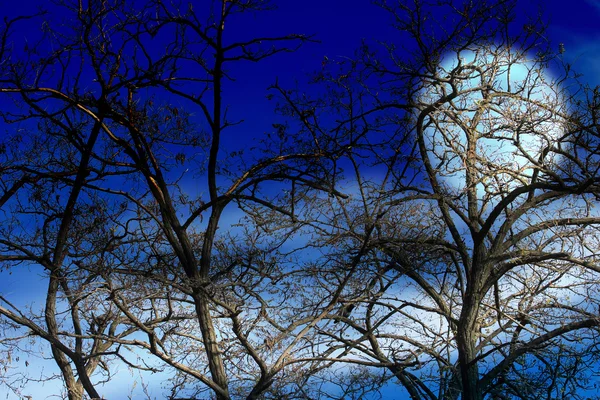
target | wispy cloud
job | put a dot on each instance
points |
(594, 3)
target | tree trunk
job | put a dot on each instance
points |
(215, 358)
(466, 342)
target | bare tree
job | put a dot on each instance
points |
(440, 234)
(116, 229)
(473, 208)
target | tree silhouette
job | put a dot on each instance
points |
(422, 215)
(478, 226)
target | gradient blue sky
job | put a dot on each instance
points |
(340, 26)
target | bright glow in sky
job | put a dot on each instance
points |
(514, 129)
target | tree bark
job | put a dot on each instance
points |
(466, 343)
(215, 358)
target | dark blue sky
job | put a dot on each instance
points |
(340, 27)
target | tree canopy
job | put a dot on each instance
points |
(420, 217)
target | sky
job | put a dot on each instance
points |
(339, 27)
